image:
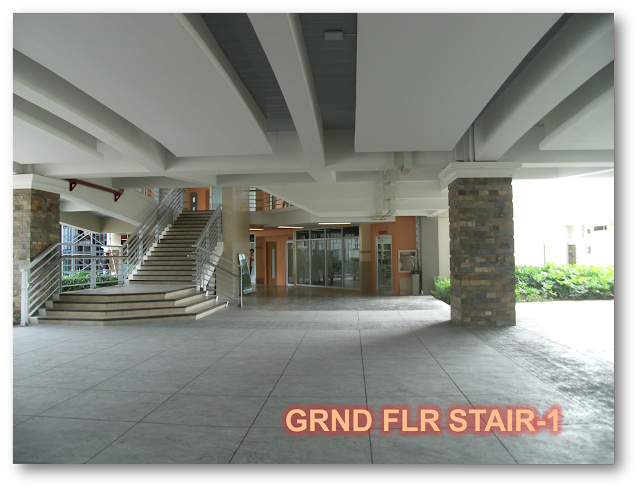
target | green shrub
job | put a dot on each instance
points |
(442, 289)
(551, 281)
(82, 280)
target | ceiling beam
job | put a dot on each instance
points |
(42, 87)
(582, 47)
(283, 43)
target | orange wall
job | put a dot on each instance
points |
(202, 200)
(280, 237)
(403, 237)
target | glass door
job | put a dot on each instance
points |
(383, 265)
(290, 268)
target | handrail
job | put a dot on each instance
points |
(208, 240)
(42, 277)
(116, 192)
(151, 229)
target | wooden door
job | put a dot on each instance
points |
(271, 262)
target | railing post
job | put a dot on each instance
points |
(119, 268)
(93, 267)
(61, 262)
(24, 299)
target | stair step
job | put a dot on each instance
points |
(106, 298)
(128, 320)
(129, 312)
(125, 305)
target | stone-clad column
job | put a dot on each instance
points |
(36, 226)
(482, 255)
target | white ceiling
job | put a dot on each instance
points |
(148, 100)
(422, 79)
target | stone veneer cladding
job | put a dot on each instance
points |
(36, 226)
(482, 255)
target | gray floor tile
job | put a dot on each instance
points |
(18, 419)
(147, 381)
(173, 362)
(162, 444)
(55, 440)
(222, 411)
(320, 386)
(33, 400)
(243, 365)
(265, 445)
(576, 444)
(108, 405)
(422, 365)
(272, 412)
(392, 385)
(228, 384)
(431, 449)
(69, 377)
(322, 367)
(499, 383)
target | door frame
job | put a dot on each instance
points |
(272, 262)
(378, 240)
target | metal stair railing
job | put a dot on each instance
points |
(43, 276)
(224, 277)
(150, 230)
(207, 241)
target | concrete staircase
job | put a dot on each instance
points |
(168, 261)
(151, 295)
(84, 308)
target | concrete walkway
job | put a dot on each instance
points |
(214, 390)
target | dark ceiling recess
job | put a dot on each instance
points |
(333, 66)
(240, 44)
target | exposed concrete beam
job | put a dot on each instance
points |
(582, 47)
(260, 179)
(585, 119)
(152, 182)
(283, 43)
(44, 88)
(527, 150)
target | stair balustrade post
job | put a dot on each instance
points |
(24, 299)
(60, 259)
(92, 285)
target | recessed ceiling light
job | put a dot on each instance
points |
(256, 229)
(291, 227)
(334, 223)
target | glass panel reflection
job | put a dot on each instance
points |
(317, 263)
(302, 262)
(334, 263)
(351, 273)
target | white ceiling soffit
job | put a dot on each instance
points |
(422, 79)
(163, 72)
(41, 137)
(585, 119)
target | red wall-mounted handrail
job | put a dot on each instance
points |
(74, 182)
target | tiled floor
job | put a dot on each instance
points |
(214, 390)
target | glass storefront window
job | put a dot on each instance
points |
(302, 262)
(318, 276)
(325, 258)
(351, 274)
(334, 263)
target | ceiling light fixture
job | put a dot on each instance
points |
(256, 229)
(334, 223)
(333, 35)
(291, 227)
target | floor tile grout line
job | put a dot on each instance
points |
(366, 398)
(267, 399)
